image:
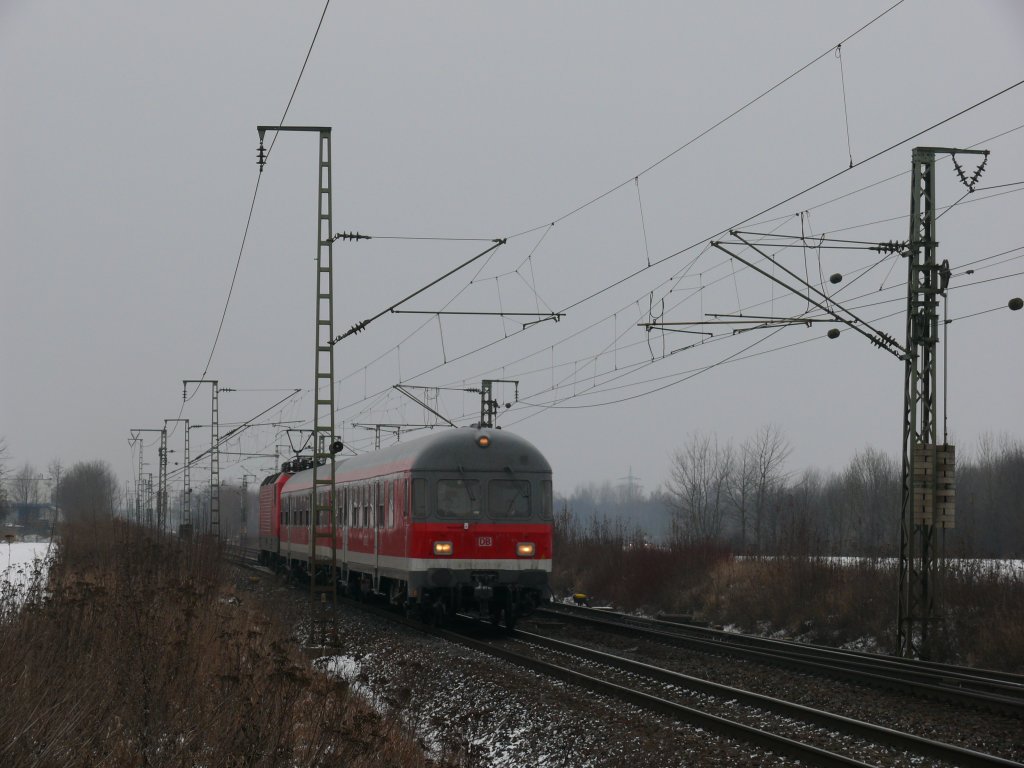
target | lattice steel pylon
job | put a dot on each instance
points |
(926, 502)
(162, 475)
(161, 487)
(138, 480)
(186, 499)
(323, 562)
(243, 512)
(185, 523)
(214, 451)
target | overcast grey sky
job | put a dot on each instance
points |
(127, 168)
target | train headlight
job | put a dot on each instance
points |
(483, 441)
(443, 548)
(525, 549)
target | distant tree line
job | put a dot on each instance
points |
(747, 498)
(87, 491)
(3, 480)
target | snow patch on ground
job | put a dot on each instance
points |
(21, 562)
(344, 667)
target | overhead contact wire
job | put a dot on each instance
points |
(256, 189)
(705, 132)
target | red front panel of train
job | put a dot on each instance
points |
(481, 541)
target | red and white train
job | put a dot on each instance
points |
(459, 520)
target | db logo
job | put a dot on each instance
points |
(485, 541)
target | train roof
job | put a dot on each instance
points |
(443, 449)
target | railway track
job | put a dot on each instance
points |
(812, 736)
(803, 733)
(992, 691)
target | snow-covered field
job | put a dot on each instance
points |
(1013, 569)
(20, 561)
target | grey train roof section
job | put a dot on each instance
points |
(446, 449)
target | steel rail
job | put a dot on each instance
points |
(720, 725)
(807, 753)
(1008, 699)
(728, 728)
(980, 679)
(910, 743)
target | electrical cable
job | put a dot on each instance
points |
(818, 184)
(255, 192)
(705, 132)
(846, 112)
(645, 363)
(633, 274)
(236, 431)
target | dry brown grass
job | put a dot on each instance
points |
(137, 654)
(986, 616)
(820, 600)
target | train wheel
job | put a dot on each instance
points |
(511, 614)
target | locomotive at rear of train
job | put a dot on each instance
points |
(456, 521)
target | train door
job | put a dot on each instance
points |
(341, 516)
(406, 518)
(377, 518)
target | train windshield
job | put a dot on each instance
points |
(508, 498)
(458, 499)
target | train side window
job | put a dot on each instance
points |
(419, 497)
(379, 521)
(391, 484)
(547, 501)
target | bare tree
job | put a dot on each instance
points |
(802, 527)
(989, 489)
(765, 457)
(3, 479)
(699, 489)
(25, 485)
(56, 470)
(741, 493)
(88, 491)
(871, 485)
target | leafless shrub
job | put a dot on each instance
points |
(985, 614)
(135, 653)
(818, 599)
